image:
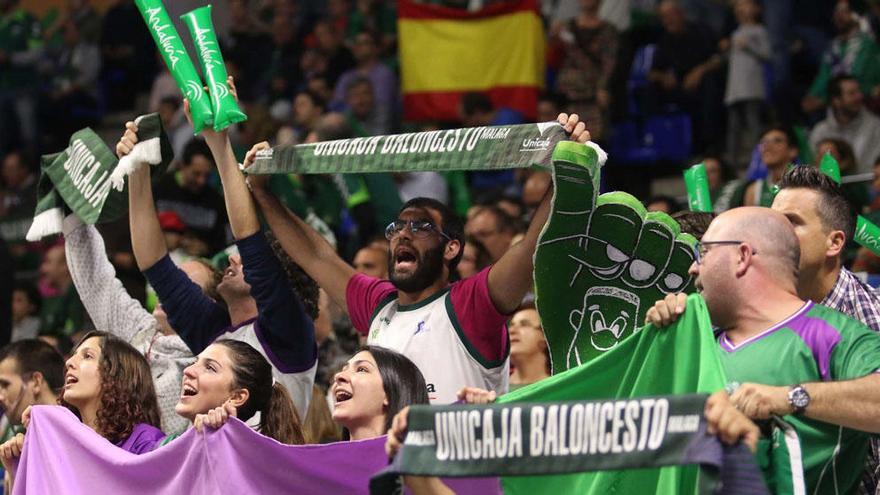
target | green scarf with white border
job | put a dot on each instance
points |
(86, 179)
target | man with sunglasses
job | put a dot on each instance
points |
(786, 356)
(455, 333)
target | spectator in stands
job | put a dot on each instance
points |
(372, 388)
(661, 202)
(339, 58)
(31, 373)
(19, 183)
(549, 106)
(308, 107)
(723, 186)
(269, 304)
(367, 50)
(282, 75)
(789, 357)
(856, 193)
(852, 52)
(247, 36)
(20, 51)
(823, 221)
(778, 150)
(474, 258)
(26, 302)
(476, 109)
(694, 223)
(426, 241)
(849, 120)
(231, 378)
(685, 72)
(365, 115)
(83, 15)
(746, 93)
(372, 261)
(494, 228)
(107, 385)
(128, 54)
(590, 56)
(529, 353)
(187, 192)
(62, 312)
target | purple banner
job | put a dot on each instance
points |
(62, 455)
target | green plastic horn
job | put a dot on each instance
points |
(830, 167)
(697, 183)
(868, 234)
(226, 111)
(177, 61)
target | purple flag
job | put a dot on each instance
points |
(62, 455)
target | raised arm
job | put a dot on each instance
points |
(193, 315)
(239, 204)
(147, 240)
(110, 307)
(302, 243)
(511, 277)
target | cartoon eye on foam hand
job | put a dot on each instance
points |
(601, 261)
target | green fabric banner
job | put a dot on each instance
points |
(681, 359)
(81, 178)
(473, 148)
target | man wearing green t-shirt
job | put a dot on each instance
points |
(789, 357)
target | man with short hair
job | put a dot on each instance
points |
(455, 333)
(850, 121)
(823, 222)
(372, 261)
(31, 373)
(793, 358)
(494, 228)
(62, 312)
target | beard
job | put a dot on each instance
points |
(429, 269)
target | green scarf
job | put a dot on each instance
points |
(473, 148)
(84, 179)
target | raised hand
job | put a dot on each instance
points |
(215, 418)
(601, 261)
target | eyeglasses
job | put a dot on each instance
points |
(420, 229)
(702, 248)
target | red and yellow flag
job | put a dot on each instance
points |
(445, 52)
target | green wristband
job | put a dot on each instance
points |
(697, 183)
(829, 167)
(868, 234)
(177, 61)
(226, 110)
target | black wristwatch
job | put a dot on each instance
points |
(798, 398)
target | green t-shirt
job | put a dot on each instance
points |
(19, 32)
(63, 314)
(816, 344)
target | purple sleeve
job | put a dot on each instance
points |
(483, 326)
(362, 296)
(195, 317)
(143, 438)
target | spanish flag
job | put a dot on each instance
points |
(445, 52)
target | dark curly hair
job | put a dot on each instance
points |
(127, 395)
(304, 286)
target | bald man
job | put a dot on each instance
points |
(794, 358)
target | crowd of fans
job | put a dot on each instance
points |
(759, 85)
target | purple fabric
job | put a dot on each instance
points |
(820, 337)
(144, 438)
(61, 455)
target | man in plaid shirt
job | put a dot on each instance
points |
(823, 221)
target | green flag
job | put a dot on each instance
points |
(681, 359)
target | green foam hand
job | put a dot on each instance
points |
(226, 110)
(177, 61)
(601, 261)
